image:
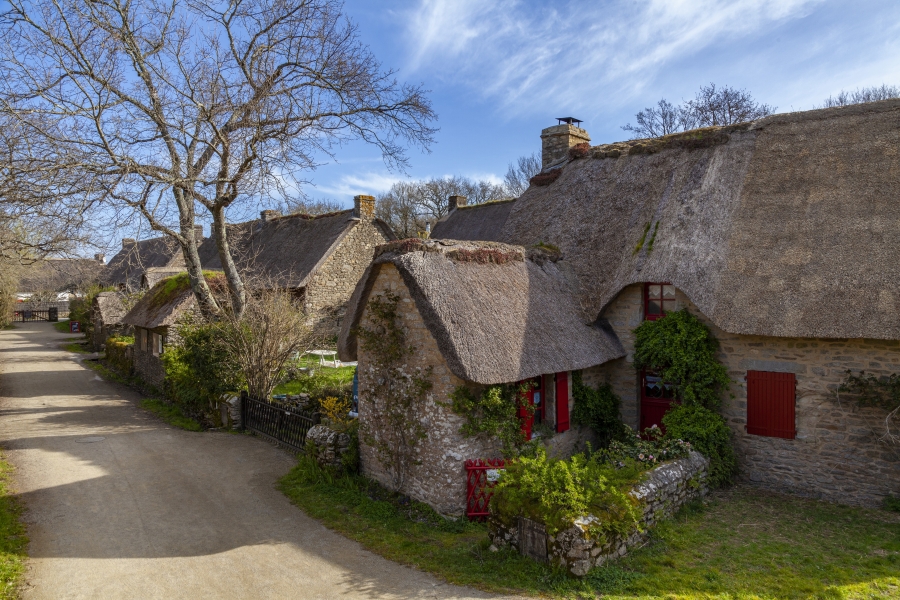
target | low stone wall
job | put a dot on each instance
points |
(663, 491)
(327, 446)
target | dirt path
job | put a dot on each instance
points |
(121, 505)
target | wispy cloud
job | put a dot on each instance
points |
(526, 55)
(360, 183)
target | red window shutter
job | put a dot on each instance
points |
(562, 402)
(771, 400)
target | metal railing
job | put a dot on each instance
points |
(281, 424)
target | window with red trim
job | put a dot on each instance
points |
(771, 402)
(659, 298)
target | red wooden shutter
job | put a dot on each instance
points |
(771, 398)
(562, 402)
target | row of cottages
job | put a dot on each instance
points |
(782, 235)
(127, 269)
(57, 279)
(320, 258)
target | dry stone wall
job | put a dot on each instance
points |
(662, 492)
(835, 455)
(333, 283)
(146, 365)
(439, 477)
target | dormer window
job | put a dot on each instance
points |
(659, 299)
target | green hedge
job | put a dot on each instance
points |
(118, 356)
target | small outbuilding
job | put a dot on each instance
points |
(107, 314)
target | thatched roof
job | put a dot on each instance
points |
(475, 222)
(497, 315)
(128, 266)
(788, 226)
(168, 300)
(154, 275)
(284, 251)
(111, 307)
(58, 275)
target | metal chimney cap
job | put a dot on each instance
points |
(569, 121)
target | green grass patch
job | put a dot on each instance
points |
(62, 326)
(76, 347)
(323, 378)
(743, 543)
(171, 414)
(13, 538)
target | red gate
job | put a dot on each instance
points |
(481, 477)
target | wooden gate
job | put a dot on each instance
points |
(281, 424)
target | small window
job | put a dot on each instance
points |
(771, 401)
(659, 299)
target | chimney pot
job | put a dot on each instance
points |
(127, 242)
(454, 202)
(364, 207)
(556, 141)
(198, 232)
(268, 215)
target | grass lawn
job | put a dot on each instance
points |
(76, 347)
(741, 543)
(12, 537)
(324, 377)
(62, 326)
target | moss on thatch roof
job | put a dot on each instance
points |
(497, 316)
(170, 298)
(789, 227)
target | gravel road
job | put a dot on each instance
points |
(120, 505)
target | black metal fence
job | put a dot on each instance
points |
(281, 424)
(41, 311)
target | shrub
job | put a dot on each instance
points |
(546, 178)
(648, 449)
(892, 503)
(555, 492)
(708, 433)
(579, 150)
(494, 410)
(599, 410)
(117, 354)
(683, 351)
(336, 410)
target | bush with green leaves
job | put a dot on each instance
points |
(708, 433)
(555, 492)
(200, 370)
(495, 411)
(649, 448)
(682, 350)
(599, 410)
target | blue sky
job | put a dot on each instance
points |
(500, 71)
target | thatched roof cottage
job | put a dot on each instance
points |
(482, 222)
(782, 235)
(107, 312)
(55, 279)
(127, 268)
(319, 257)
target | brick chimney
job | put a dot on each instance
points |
(454, 202)
(556, 140)
(364, 207)
(268, 215)
(128, 242)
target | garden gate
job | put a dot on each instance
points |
(481, 477)
(285, 425)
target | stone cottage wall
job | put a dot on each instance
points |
(333, 283)
(661, 493)
(835, 455)
(439, 479)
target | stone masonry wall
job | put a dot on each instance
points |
(147, 366)
(439, 479)
(556, 141)
(835, 455)
(660, 494)
(333, 284)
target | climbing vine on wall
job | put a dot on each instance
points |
(396, 393)
(683, 351)
(880, 392)
(495, 411)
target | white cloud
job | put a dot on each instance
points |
(370, 183)
(529, 57)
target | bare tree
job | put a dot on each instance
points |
(862, 95)
(399, 208)
(518, 175)
(178, 106)
(712, 106)
(305, 206)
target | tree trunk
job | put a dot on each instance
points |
(235, 282)
(207, 304)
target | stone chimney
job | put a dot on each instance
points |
(556, 140)
(128, 242)
(268, 215)
(198, 232)
(100, 258)
(454, 202)
(364, 207)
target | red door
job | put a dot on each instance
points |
(533, 397)
(656, 397)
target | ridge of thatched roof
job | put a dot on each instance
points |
(284, 251)
(58, 275)
(111, 307)
(154, 275)
(787, 226)
(482, 222)
(128, 266)
(499, 313)
(166, 301)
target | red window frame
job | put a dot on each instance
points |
(656, 293)
(771, 404)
